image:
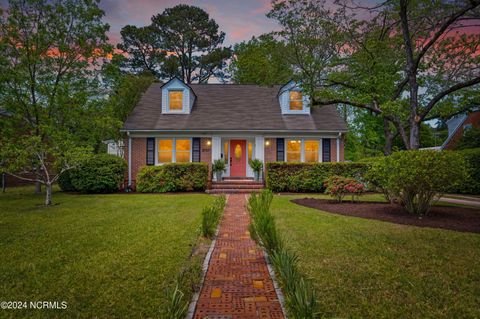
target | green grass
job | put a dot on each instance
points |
(105, 255)
(372, 269)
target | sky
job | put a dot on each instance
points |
(239, 19)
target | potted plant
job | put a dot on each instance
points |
(218, 168)
(257, 167)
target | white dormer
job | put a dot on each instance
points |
(177, 97)
(293, 100)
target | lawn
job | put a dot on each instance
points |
(105, 255)
(372, 269)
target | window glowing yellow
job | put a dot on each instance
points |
(238, 151)
(225, 151)
(294, 148)
(182, 151)
(311, 151)
(250, 151)
(175, 100)
(296, 102)
(165, 151)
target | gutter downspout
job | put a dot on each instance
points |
(129, 160)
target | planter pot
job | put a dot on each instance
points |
(218, 176)
(256, 176)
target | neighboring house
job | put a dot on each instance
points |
(458, 125)
(176, 122)
(114, 147)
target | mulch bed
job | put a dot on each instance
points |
(447, 217)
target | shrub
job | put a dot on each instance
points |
(416, 178)
(256, 165)
(100, 173)
(309, 177)
(471, 184)
(173, 177)
(211, 216)
(65, 182)
(339, 186)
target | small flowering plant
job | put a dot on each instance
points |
(338, 187)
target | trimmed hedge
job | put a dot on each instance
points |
(100, 173)
(471, 185)
(173, 177)
(309, 177)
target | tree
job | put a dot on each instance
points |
(403, 64)
(182, 41)
(51, 51)
(263, 60)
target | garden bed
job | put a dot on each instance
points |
(445, 217)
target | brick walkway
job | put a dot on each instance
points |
(237, 284)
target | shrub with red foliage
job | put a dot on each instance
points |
(339, 186)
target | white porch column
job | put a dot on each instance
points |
(129, 160)
(260, 148)
(216, 147)
(338, 148)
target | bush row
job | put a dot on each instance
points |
(300, 295)
(100, 173)
(174, 177)
(309, 177)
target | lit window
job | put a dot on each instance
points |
(182, 151)
(250, 151)
(311, 151)
(294, 148)
(165, 150)
(296, 102)
(225, 151)
(175, 99)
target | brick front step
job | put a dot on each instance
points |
(233, 191)
(237, 186)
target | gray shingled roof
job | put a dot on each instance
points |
(230, 107)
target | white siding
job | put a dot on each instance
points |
(284, 99)
(187, 100)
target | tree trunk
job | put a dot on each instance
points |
(387, 149)
(414, 134)
(48, 194)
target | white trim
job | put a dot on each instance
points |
(302, 147)
(129, 160)
(174, 148)
(338, 149)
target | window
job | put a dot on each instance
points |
(182, 151)
(175, 100)
(225, 152)
(296, 101)
(294, 148)
(165, 151)
(311, 151)
(250, 151)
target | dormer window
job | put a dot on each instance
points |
(175, 99)
(296, 101)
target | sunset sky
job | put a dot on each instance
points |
(239, 19)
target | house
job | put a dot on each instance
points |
(458, 125)
(176, 122)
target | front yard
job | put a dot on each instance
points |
(372, 269)
(105, 255)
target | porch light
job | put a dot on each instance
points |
(209, 142)
(267, 143)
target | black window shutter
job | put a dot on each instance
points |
(280, 149)
(150, 151)
(196, 149)
(326, 150)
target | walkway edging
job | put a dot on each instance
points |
(206, 262)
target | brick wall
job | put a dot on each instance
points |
(474, 119)
(139, 156)
(270, 150)
(333, 150)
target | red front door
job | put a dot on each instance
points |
(238, 158)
